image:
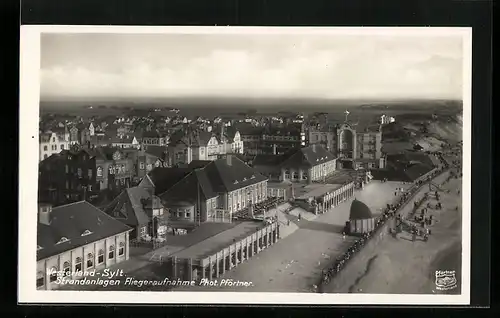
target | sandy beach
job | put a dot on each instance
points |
(400, 266)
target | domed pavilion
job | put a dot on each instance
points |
(361, 219)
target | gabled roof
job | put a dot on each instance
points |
(195, 164)
(268, 160)
(308, 156)
(216, 177)
(71, 221)
(133, 206)
(164, 178)
(146, 182)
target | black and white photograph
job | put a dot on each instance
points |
(245, 165)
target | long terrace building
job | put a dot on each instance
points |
(214, 256)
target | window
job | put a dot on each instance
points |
(62, 240)
(53, 274)
(67, 169)
(121, 249)
(67, 184)
(45, 156)
(143, 231)
(62, 147)
(100, 257)
(67, 269)
(40, 280)
(79, 171)
(188, 214)
(53, 139)
(78, 264)
(141, 165)
(89, 187)
(90, 173)
(45, 148)
(90, 260)
(111, 253)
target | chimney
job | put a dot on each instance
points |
(229, 160)
(314, 147)
(44, 213)
(275, 151)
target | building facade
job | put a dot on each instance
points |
(68, 177)
(308, 164)
(75, 239)
(360, 148)
(143, 212)
(52, 143)
(214, 193)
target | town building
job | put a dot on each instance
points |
(114, 169)
(143, 212)
(154, 138)
(188, 145)
(270, 139)
(211, 258)
(360, 147)
(324, 136)
(214, 193)
(68, 176)
(75, 239)
(74, 135)
(145, 159)
(384, 120)
(52, 143)
(308, 164)
(126, 141)
(322, 198)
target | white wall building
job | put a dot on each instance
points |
(76, 240)
(52, 143)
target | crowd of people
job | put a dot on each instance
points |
(388, 213)
(391, 211)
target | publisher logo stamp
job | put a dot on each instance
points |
(446, 280)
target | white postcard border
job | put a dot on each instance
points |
(28, 174)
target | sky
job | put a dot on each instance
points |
(259, 65)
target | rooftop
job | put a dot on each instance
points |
(219, 241)
(69, 225)
(316, 190)
(359, 211)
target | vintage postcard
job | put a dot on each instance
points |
(245, 165)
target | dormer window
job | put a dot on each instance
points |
(245, 179)
(62, 240)
(38, 247)
(252, 177)
(235, 182)
(87, 232)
